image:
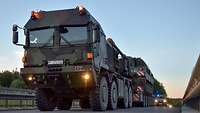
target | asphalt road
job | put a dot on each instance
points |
(131, 110)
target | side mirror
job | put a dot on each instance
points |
(96, 35)
(15, 34)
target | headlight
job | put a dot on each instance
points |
(164, 100)
(30, 77)
(86, 76)
(170, 106)
(155, 100)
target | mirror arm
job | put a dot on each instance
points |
(20, 45)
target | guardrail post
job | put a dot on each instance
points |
(20, 103)
(33, 102)
(6, 103)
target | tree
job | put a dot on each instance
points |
(6, 78)
(158, 87)
(18, 83)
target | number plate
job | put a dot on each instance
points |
(55, 62)
(79, 68)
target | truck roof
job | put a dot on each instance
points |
(68, 17)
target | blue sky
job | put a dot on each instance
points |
(165, 33)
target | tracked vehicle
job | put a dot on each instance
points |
(67, 56)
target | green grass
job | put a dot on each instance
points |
(17, 103)
(176, 102)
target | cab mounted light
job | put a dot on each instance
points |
(24, 58)
(89, 56)
(35, 15)
(81, 10)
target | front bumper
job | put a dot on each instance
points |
(64, 78)
(55, 70)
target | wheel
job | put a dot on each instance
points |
(113, 97)
(45, 100)
(84, 103)
(123, 102)
(130, 97)
(143, 103)
(147, 101)
(99, 96)
(64, 104)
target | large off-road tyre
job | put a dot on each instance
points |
(147, 101)
(84, 103)
(112, 96)
(45, 100)
(144, 102)
(64, 104)
(123, 102)
(99, 96)
(130, 97)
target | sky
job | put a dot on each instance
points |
(165, 33)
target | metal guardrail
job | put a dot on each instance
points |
(21, 95)
(192, 93)
(10, 97)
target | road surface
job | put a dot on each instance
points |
(131, 110)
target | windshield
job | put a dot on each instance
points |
(68, 35)
(74, 35)
(41, 37)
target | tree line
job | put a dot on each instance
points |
(159, 88)
(11, 79)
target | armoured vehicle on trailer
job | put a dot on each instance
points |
(143, 81)
(67, 56)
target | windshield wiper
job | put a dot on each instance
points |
(66, 40)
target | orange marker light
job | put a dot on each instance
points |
(35, 15)
(89, 56)
(81, 9)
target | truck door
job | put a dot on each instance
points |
(100, 53)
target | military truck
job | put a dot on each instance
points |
(67, 56)
(160, 101)
(143, 81)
